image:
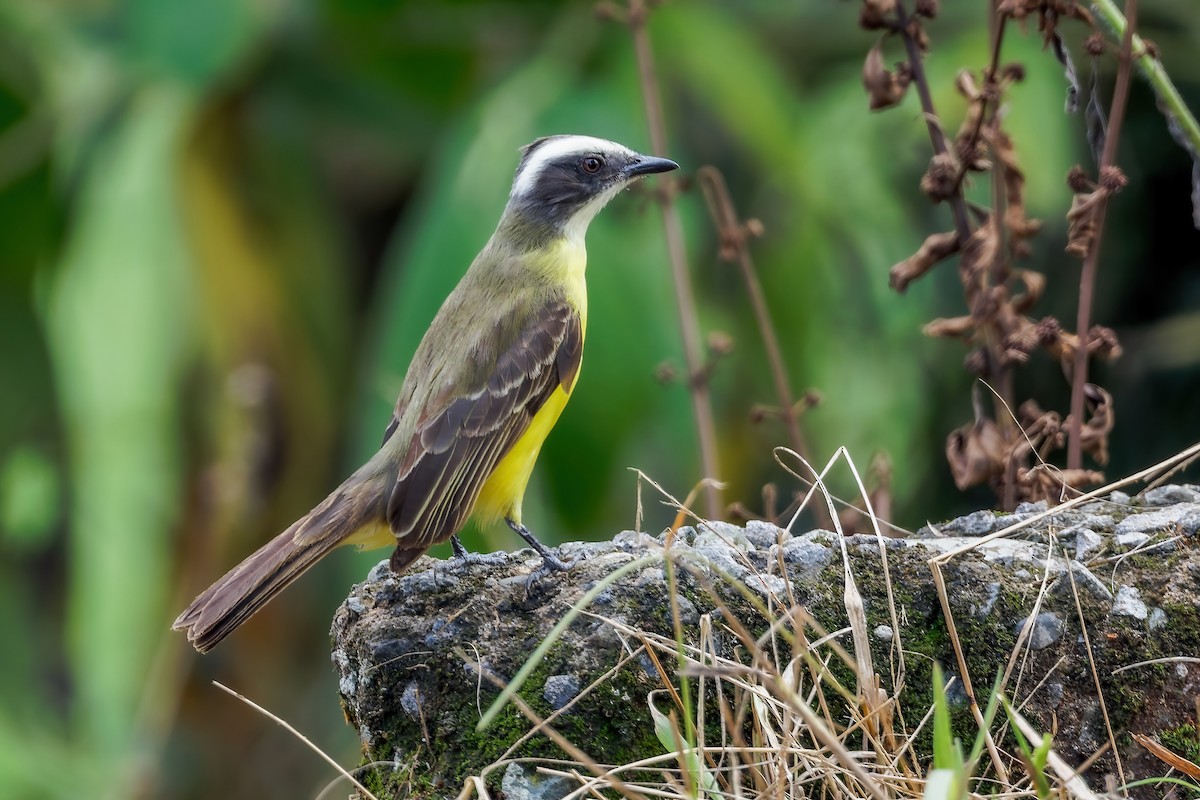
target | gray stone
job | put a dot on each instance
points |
(1129, 603)
(768, 585)
(720, 557)
(1120, 498)
(884, 633)
(991, 593)
(979, 523)
(1182, 518)
(1170, 495)
(1029, 509)
(650, 576)
(810, 556)
(429, 582)
(1158, 619)
(560, 690)
(1048, 628)
(763, 534)
(1085, 582)
(1131, 540)
(1189, 523)
(410, 700)
(1098, 522)
(1054, 694)
(688, 614)
(685, 534)
(721, 534)
(524, 782)
(1087, 543)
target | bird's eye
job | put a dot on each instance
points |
(591, 164)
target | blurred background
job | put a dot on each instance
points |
(225, 225)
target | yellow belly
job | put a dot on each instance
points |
(500, 497)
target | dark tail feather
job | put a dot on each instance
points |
(246, 588)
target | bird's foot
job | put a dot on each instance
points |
(550, 562)
(465, 557)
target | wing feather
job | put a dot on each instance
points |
(467, 429)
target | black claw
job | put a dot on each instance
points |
(457, 546)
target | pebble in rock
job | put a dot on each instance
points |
(1048, 628)
(560, 690)
(991, 595)
(524, 782)
(1129, 603)
(1087, 542)
(410, 700)
(767, 585)
(884, 633)
(1170, 495)
(1158, 619)
(1181, 517)
(1131, 540)
(1085, 581)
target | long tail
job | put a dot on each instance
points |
(341, 518)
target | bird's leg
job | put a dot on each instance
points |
(549, 560)
(459, 550)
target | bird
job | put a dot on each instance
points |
(486, 384)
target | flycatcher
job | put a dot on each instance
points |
(486, 385)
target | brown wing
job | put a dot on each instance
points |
(460, 440)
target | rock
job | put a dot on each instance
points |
(721, 534)
(1120, 498)
(1129, 603)
(415, 656)
(1029, 509)
(1180, 518)
(410, 700)
(764, 534)
(768, 586)
(992, 594)
(524, 782)
(1087, 543)
(1170, 495)
(1048, 628)
(560, 690)
(809, 556)
(1131, 540)
(1086, 583)
(979, 523)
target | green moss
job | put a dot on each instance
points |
(1184, 740)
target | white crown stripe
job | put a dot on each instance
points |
(557, 147)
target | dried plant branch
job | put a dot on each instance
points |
(634, 16)
(733, 235)
(1087, 277)
(962, 223)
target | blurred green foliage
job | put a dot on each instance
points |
(225, 225)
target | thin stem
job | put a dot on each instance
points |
(1152, 69)
(962, 224)
(681, 275)
(732, 233)
(1087, 276)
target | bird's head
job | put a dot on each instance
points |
(562, 182)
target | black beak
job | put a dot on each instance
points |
(648, 165)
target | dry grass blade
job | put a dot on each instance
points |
(1189, 768)
(1087, 646)
(308, 742)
